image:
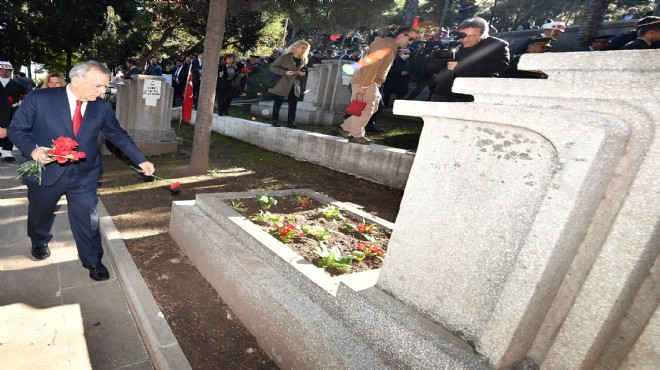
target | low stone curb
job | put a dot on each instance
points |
(164, 350)
(378, 163)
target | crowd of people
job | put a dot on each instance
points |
(427, 64)
(389, 63)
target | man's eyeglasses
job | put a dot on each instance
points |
(463, 35)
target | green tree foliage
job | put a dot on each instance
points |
(18, 42)
(66, 25)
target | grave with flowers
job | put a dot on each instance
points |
(304, 266)
(527, 236)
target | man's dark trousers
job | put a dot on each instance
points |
(83, 218)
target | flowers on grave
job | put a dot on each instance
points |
(316, 232)
(370, 249)
(330, 212)
(303, 201)
(286, 232)
(266, 201)
(331, 257)
(364, 230)
(62, 151)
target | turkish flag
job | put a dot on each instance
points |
(186, 111)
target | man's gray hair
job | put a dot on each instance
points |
(82, 68)
(475, 22)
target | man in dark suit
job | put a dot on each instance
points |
(131, 69)
(76, 112)
(179, 75)
(480, 56)
(196, 69)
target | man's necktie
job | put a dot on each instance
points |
(77, 117)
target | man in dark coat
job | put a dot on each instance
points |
(196, 67)
(398, 78)
(539, 44)
(72, 112)
(648, 34)
(597, 43)
(15, 94)
(4, 112)
(480, 56)
(131, 69)
(179, 76)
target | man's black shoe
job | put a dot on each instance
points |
(8, 159)
(97, 272)
(292, 125)
(40, 251)
(375, 129)
(275, 123)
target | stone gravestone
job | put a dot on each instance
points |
(144, 110)
(529, 223)
(326, 97)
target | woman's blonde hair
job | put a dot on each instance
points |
(297, 44)
(44, 85)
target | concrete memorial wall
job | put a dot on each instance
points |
(144, 110)
(529, 223)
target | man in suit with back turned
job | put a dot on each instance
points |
(75, 112)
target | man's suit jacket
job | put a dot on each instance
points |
(45, 115)
(4, 108)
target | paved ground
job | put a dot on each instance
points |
(52, 315)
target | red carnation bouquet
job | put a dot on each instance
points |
(62, 151)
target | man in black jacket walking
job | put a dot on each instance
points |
(479, 56)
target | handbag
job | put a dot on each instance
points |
(355, 107)
(271, 80)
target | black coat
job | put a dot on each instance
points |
(486, 59)
(395, 82)
(4, 108)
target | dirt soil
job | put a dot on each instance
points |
(208, 331)
(310, 215)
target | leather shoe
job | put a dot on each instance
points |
(40, 251)
(97, 272)
(8, 159)
(275, 123)
(341, 132)
(360, 140)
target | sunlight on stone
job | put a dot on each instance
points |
(139, 233)
(45, 336)
(8, 221)
(13, 202)
(235, 170)
(59, 254)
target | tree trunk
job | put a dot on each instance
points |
(215, 29)
(595, 11)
